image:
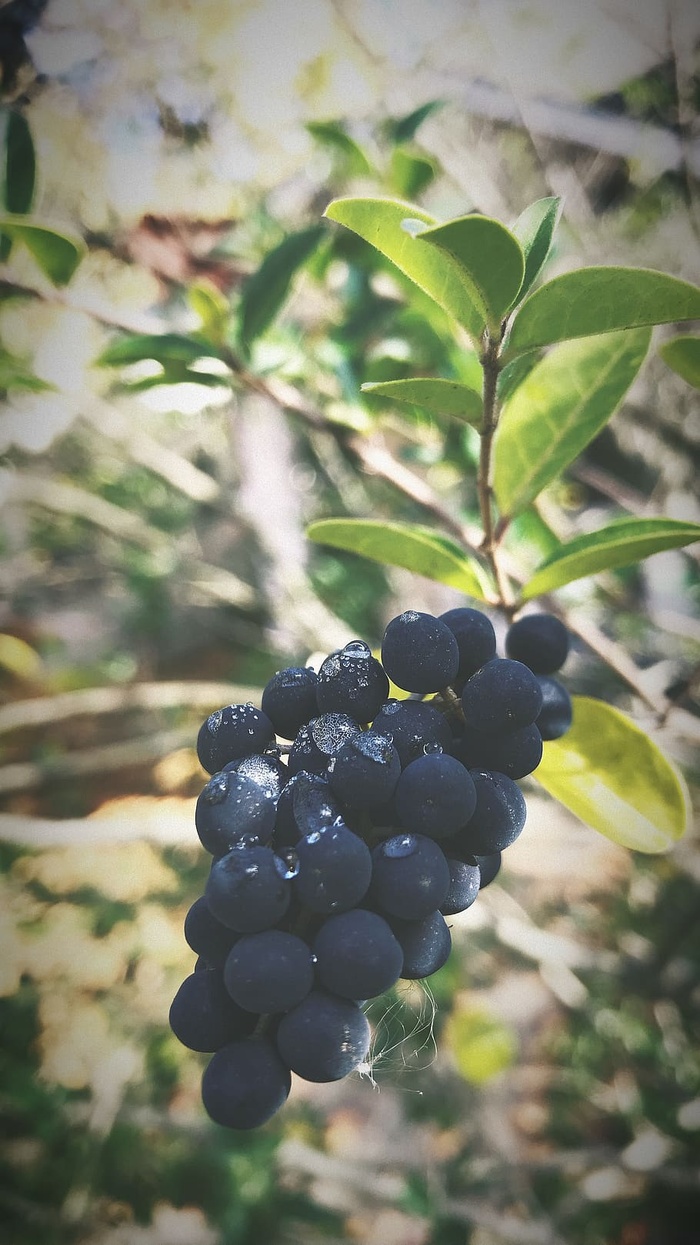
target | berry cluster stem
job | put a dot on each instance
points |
(491, 365)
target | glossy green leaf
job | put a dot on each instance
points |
(514, 374)
(600, 300)
(534, 230)
(265, 292)
(163, 347)
(622, 543)
(407, 545)
(402, 129)
(15, 375)
(683, 355)
(410, 173)
(441, 397)
(560, 406)
(18, 165)
(334, 136)
(389, 225)
(609, 773)
(57, 253)
(489, 258)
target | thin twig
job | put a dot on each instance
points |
(91, 701)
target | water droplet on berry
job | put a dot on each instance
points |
(357, 649)
(252, 871)
(216, 789)
(214, 721)
(313, 837)
(401, 845)
(432, 748)
(287, 864)
(390, 706)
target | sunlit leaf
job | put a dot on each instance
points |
(481, 1045)
(622, 543)
(600, 300)
(514, 373)
(19, 658)
(18, 170)
(57, 253)
(389, 225)
(609, 773)
(266, 290)
(209, 304)
(683, 355)
(560, 406)
(15, 375)
(489, 258)
(534, 229)
(441, 397)
(414, 548)
(333, 135)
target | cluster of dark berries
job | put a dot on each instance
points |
(337, 857)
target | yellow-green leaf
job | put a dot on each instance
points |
(609, 773)
(558, 408)
(620, 544)
(683, 355)
(441, 397)
(19, 658)
(57, 253)
(534, 229)
(407, 545)
(482, 1046)
(389, 225)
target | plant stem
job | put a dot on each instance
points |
(491, 365)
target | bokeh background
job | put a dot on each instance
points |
(545, 1089)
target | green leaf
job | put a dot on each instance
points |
(209, 304)
(489, 258)
(389, 224)
(402, 129)
(407, 545)
(620, 544)
(18, 165)
(683, 355)
(265, 292)
(333, 135)
(600, 300)
(609, 773)
(560, 406)
(410, 173)
(482, 1045)
(441, 397)
(57, 254)
(163, 347)
(15, 375)
(534, 229)
(514, 374)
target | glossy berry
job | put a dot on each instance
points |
(335, 867)
(352, 681)
(231, 732)
(515, 754)
(204, 1017)
(476, 640)
(248, 889)
(323, 1038)
(269, 972)
(289, 699)
(245, 1084)
(498, 818)
(465, 879)
(412, 724)
(365, 771)
(540, 641)
(426, 945)
(556, 714)
(435, 796)
(410, 877)
(211, 940)
(357, 955)
(230, 808)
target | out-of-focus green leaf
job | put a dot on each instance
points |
(333, 135)
(410, 173)
(554, 413)
(620, 544)
(209, 304)
(390, 225)
(489, 258)
(481, 1045)
(600, 300)
(442, 397)
(163, 347)
(402, 129)
(15, 375)
(407, 545)
(609, 773)
(534, 229)
(683, 355)
(175, 372)
(57, 253)
(266, 290)
(18, 169)
(19, 658)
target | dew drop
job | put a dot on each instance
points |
(313, 837)
(314, 959)
(216, 789)
(214, 721)
(287, 864)
(357, 649)
(401, 845)
(390, 706)
(432, 748)
(252, 871)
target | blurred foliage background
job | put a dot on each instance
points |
(546, 1088)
